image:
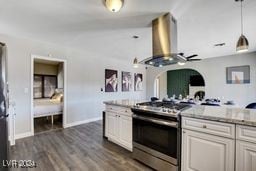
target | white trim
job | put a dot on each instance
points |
(33, 57)
(29, 134)
(82, 122)
(24, 135)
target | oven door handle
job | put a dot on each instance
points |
(157, 121)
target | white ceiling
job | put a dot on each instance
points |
(87, 25)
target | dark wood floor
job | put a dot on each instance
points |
(77, 148)
(43, 124)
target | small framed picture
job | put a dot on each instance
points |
(238, 74)
(126, 81)
(111, 80)
(138, 82)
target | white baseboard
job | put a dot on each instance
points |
(28, 134)
(82, 122)
(23, 135)
(12, 142)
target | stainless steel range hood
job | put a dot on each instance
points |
(164, 37)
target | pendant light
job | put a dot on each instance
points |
(114, 5)
(135, 61)
(242, 43)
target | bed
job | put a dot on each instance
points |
(47, 107)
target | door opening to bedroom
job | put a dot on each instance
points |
(48, 90)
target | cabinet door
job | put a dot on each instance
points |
(245, 156)
(205, 152)
(112, 125)
(125, 127)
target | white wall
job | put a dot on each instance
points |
(214, 72)
(85, 78)
(163, 85)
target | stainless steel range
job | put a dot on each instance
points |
(156, 134)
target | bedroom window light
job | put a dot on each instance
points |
(44, 86)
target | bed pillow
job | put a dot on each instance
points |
(57, 96)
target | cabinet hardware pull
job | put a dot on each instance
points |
(204, 126)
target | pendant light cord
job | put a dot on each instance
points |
(135, 44)
(242, 27)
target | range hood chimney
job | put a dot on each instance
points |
(164, 37)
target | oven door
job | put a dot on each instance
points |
(157, 137)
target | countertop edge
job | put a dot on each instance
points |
(115, 104)
(219, 119)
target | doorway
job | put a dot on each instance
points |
(48, 94)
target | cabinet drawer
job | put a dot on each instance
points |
(126, 111)
(246, 133)
(112, 108)
(119, 110)
(211, 127)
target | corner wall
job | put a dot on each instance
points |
(85, 78)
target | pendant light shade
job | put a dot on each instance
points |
(135, 63)
(242, 44)
(114, 5)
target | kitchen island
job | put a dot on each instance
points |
(213, 138)
(218, 138)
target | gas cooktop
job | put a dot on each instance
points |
(162, 108)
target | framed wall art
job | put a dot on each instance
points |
(111, 80)
(238, 74)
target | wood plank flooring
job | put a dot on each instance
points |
(77, 148)
(42, 125)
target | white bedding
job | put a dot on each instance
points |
(47, 107)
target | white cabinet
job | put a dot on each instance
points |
(245, 156)
(119, 126)
(125, 127)
(246, 148)
(205, 152)
(112, 125)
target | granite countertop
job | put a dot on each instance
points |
(124, 103)
(222, 114)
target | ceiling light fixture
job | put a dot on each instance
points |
(135, 61)
(181, 63)
(242, 43)
(220, 44)
(114, 5)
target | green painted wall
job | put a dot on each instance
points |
(178, 81)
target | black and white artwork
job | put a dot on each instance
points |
(126, 81)
(138, 82)
(111, 80)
